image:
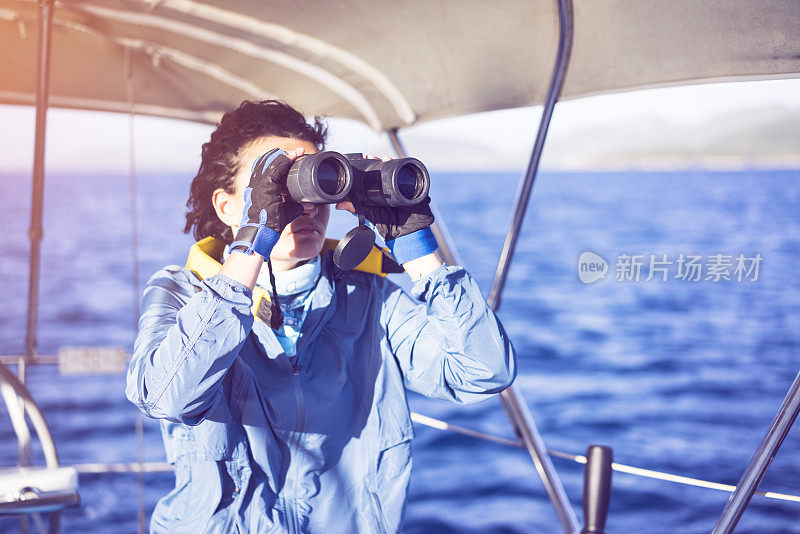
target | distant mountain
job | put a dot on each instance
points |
(764, 137)
(753, 137)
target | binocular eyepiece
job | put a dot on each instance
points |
(329, 177)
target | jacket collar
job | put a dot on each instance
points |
(205, 259)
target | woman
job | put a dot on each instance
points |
(303, 426)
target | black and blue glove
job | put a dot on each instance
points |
(268, 206)
(406, 230)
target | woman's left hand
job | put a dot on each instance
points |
(417, 252)
(391, 222)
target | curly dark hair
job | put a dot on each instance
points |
(220, 163)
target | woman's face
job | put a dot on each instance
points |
(303, 238)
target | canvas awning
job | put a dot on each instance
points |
(386, 63)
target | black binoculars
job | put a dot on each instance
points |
(328, 177)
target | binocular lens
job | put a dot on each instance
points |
(397, 182)
(408, 178)
(329, 177)
(322, 178)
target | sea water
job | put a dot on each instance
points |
(683, 375)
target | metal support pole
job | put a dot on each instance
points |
(524, 193)
(511, 398)
(37, 198)
(526, 429)
(35, 232)
(759, 464)
(443, 239)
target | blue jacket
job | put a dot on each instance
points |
(315, 443)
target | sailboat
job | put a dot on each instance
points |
(390, 66)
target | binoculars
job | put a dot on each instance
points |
(329, 177)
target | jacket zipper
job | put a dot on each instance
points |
(298, 394)
(289, 511)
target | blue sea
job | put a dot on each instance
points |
(679, 375)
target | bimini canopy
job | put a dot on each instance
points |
(387, 63)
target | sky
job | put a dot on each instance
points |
(99, 142)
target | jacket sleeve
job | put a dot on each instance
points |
(188, 337)
(445, 338)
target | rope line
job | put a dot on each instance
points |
(578, 458)
(678, 479)
(159, 467)
(132, 182)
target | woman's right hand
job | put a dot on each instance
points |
(268, 206)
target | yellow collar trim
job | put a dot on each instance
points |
(205, 256)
